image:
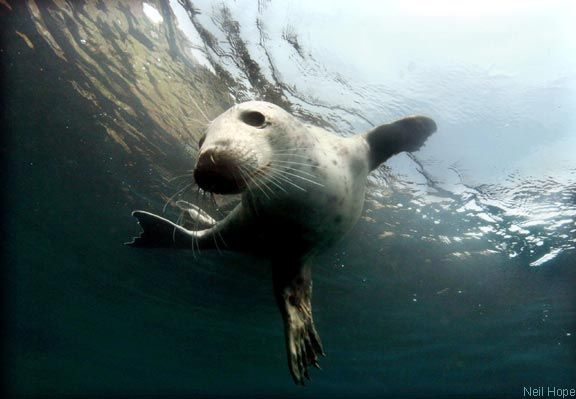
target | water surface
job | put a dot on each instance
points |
(457, 281)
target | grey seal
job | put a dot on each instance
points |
(302, 188)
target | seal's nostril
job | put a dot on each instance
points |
(206, 159)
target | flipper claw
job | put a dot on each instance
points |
(293, 289)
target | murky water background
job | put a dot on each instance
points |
(457, 281)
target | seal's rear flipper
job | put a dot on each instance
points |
(406, 134)
(293, 291)
(158, 232)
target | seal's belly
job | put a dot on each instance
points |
(305, 228)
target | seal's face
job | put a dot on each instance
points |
(238, 147)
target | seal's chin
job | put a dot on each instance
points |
(219, 173)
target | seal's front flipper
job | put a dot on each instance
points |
(194, 217)
(406, 134)
(158, 232)
(293, 291)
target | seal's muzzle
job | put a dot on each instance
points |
(218, 172)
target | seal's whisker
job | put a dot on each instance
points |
(259, 177)
(250, 198)
(263, 176)
(289, 181)
(191, 174)
(216, 243)
(178, 221)
(179, 192)
(264, 183)
(196, 224)
(180, 217)
(293, 169)
(221, 238)
(193, 227)
(295, 148)
(279, 181)
(215, 207)
(215, 204)
(286, 179)
(244, 176)
(289, 154)
(296, 163)
(247, 172)
(298, 176)
(303, 178)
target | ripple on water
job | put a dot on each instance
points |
(533, 219)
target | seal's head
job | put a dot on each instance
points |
(239, 146)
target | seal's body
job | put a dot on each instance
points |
(302, 189)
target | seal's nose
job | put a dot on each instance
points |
(217, 172)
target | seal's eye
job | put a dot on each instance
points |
(201, 141)
(253, 118)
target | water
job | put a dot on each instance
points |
(457, 281)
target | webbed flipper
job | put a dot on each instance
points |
(293, 291)
(158, 232)
(407, 134)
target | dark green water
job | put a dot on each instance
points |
(86, 316)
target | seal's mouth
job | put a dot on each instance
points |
(220, 172)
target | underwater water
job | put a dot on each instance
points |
(457, 281)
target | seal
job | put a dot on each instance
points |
(302, 188)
